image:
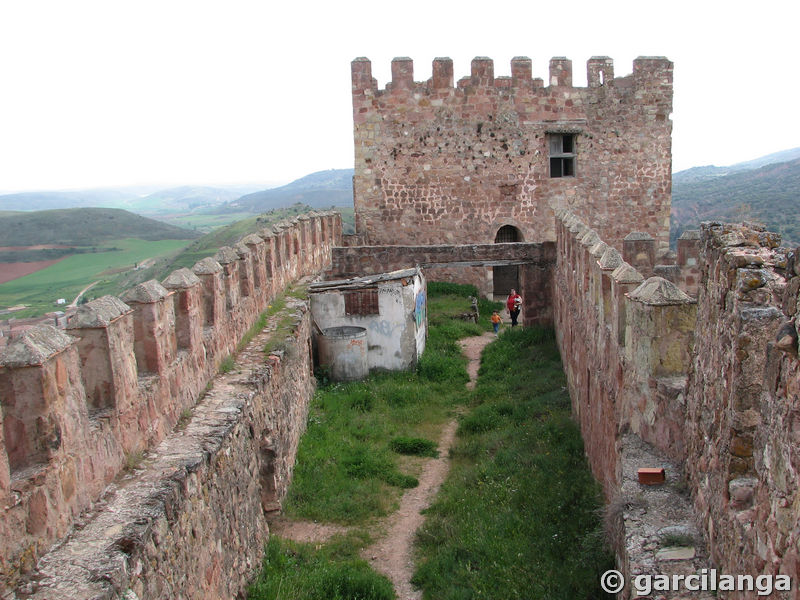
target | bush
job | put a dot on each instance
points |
(414, 446)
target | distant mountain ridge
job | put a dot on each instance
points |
(84, 227)
(711, 171)
(321, 189)
(766, 189)
(146, 200)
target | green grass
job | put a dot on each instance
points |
(254, 330)
(518, 514)
(414, 446)
(447, 300)
(346, 471)
(332, 572)
(68, 277)
(204, 222)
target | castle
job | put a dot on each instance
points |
(686, 361)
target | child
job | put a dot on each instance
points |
(496, 322)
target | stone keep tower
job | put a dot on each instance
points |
(492, 158)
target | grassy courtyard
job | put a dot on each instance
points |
(518, 514)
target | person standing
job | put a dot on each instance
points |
(496, 322)
(514, 304)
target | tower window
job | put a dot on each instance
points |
(562, 155)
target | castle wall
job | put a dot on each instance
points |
(625, 343)
(76, 409)
(438, 163)
(705, 387)
(192, 523)
(743, 403)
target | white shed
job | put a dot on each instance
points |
(392, 307)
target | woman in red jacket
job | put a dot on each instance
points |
(514, 303)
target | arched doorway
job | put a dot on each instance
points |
(505, 277)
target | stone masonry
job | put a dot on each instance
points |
(706, 388)
(81, 406)
(438, 163)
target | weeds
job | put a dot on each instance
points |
(227, 364)
(278, 338)
(257, 327)
(133, 459)
(183, 419)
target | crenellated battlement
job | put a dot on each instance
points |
(599, 69)
(461, 159)
(78, 404)
(705, 385)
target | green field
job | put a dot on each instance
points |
(65, 279)
(202, 222)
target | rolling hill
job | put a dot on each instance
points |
(208, 244)
(322, 189)
(28, 201)
(84, 227)
(767, 192)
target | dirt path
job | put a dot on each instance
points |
(472, 348)
(81, 293)
(392, 555)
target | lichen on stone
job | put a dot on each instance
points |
(180, 279)
(34, 346)
(98, 313)
(657, 291)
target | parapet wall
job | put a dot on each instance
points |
(625, 343)
(743, 402)
(438, 163)
(707, 387)
(78, 407)
(190, 521)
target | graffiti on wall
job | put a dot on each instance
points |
(384, 327)
(420, 309)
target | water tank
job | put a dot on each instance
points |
(343, 350)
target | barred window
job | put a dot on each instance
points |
(361, 302)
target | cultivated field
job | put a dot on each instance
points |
(68, 277)
(12, 271)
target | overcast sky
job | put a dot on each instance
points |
(104, 92)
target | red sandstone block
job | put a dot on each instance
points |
(651, 476)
